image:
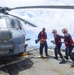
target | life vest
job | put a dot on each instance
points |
(42, 37)
(57, 39)
(42, 40)
(68, 41)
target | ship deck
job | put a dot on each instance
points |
(32, 64)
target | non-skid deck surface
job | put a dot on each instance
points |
(33, 64)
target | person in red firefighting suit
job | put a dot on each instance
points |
(69, 45)
(57, 42)
(42, 36)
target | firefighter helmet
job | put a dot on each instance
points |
(64, 30)
(54, 31)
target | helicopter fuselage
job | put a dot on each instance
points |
(12, 36)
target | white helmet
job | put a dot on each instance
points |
(54, 31)
(64, 30)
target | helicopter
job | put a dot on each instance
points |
(12, 35)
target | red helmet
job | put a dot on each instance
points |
(64, 30)
(54, 31)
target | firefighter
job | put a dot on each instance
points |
(57, 42)
(42, 36)
(69, 45)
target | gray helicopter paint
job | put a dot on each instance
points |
(17, 39)
(18, 35)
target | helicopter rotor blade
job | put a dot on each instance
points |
(53, 7)
(4, 9)
(26, 22)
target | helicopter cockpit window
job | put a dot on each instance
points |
(15, 24)
(3, 23)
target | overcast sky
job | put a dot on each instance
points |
(48, 18)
